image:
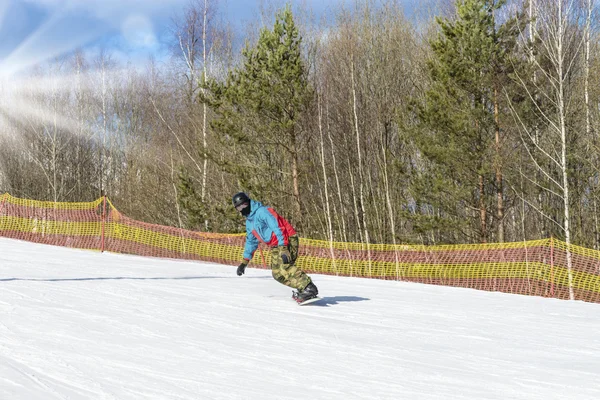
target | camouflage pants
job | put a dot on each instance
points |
(288, 274)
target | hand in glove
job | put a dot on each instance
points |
(284, 253)
(242, 268)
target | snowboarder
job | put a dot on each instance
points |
(264, 225)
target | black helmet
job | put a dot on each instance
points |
(240, 198)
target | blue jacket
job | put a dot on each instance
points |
(264, 225)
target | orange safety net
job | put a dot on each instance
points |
(539, 267)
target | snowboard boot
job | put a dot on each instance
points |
(309, 292)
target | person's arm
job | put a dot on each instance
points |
(251, 246)
(249, 249)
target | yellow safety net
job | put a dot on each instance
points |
(539, 267)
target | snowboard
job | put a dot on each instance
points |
(309, 301)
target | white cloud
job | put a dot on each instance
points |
(74, 23)
(50, 39)
(138, 31)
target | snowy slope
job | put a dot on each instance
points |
(84, 325)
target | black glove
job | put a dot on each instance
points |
(242, 268)
(284, 253)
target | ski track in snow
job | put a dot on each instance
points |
(85, 325)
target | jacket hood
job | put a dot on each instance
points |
(254, 205)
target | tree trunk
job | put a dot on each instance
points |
(388, 199)
(360, 172)
(532, 36)
(499, 189)
(295, 184)
(588, 22)
(337, 182)
(204, 112)
(596, 231)
(355, 201)
(326, 187)
(104, 129)
(563, 137)
(482, 212)
(54, 144)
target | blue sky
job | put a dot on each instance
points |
(32, 31)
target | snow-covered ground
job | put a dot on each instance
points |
(78, 324)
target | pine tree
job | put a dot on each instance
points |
(457, 130)
(258, 110)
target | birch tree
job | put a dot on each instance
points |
(560, 49)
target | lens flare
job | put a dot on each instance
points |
(51, 99)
